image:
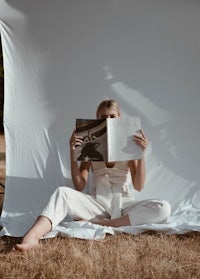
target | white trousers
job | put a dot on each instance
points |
(79, 206)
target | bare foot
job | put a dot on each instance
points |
(118, 222)
(102, 222)
(26, 245)
(32, 237)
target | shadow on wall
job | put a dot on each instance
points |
(174, 137)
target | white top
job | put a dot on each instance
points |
(110, 185)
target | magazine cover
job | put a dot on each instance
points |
(94, 136)
(109, 139)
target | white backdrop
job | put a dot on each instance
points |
(61, 58)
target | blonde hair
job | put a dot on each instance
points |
(108, 104)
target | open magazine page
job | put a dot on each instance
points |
(94, 136)
(121, 146)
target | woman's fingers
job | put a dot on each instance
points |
(141, 139)
(75, 140)
(78, 140)
(143, 134)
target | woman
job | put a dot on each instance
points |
(111, 202)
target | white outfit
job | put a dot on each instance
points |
(110, 198)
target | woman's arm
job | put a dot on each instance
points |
(138, 173)
(137, 167)
(79, 174)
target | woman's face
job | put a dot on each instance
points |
(108, 113)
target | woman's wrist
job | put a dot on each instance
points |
(72, 155)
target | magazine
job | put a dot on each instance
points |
(109, 139)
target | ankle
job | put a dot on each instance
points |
(31, 236)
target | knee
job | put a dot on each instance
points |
(164, 210)
(63, 191)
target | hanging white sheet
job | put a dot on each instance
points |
(61, 58)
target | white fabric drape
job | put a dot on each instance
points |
(61, 58)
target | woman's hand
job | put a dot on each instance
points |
(79, 173)
(141, 140)
(75, 140)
